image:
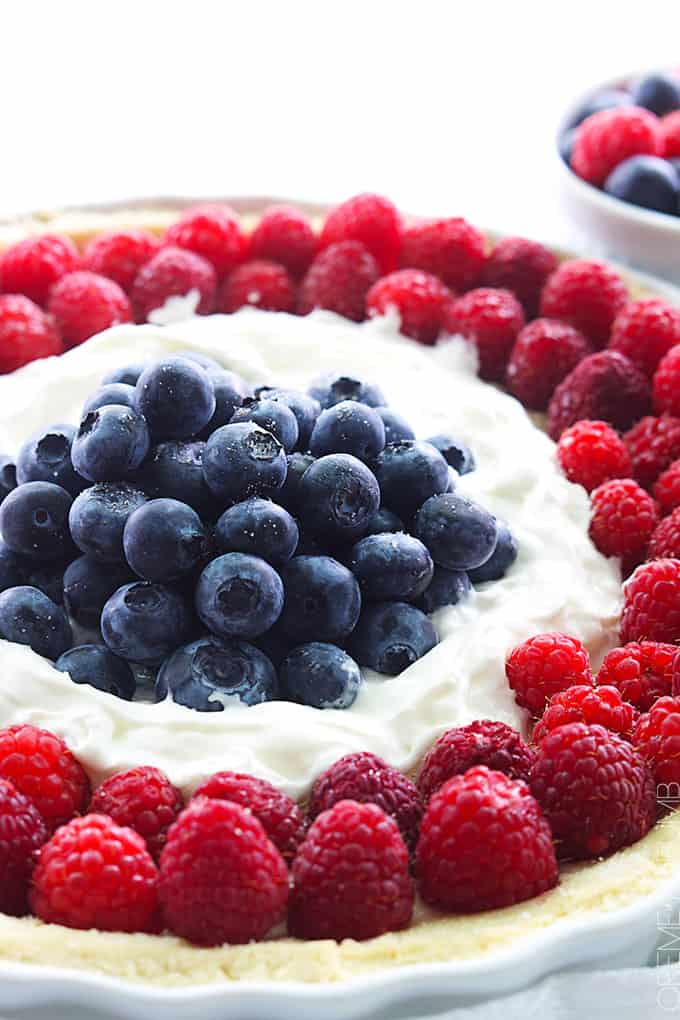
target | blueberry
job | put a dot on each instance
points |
(272, 416)
(396, 427)
(128, 374)
(98, 517)
(453, 480)
(675, 163)
(659, 93)
(501, 559)
(384, 522)
(97, 666)
(163, 540)
(243, 460)
(13, 568)
(455, 452)
(259, 527)
(29, 617)
(310, 545)
(230, 392)
(111, 393)
(47, 578)
(460, 534)
(143, 622)
(409, 473)
(288, 494)
(391, 636)
(447, 588)
(305, 408)
(348, 427)
(8, 475)
(565, 144)
(175, 469)
(46, 457)
(331, 388)
(274, 644)
(320, 675)
(88, 584)
(204, 360)
(177, 398)
(110, 443)
(606, 100)
(207, 673)
(322, 599)
(391, 567)
(339, 497)
(646, 181)
(238, 595)
(34, 521)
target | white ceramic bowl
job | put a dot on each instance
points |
(624, 937)
(638, 237)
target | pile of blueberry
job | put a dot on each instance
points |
(235, 544)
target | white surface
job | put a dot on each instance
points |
(447, 107)
(558, 583)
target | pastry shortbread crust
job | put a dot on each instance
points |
(587, 892)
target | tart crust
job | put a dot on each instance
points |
(587, 892)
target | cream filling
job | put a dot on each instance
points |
(559, 581)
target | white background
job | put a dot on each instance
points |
(445, 106)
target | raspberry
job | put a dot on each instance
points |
(651, 605)
(420, 299)
(666, 383)
(84, 303)
(543, 665)
(173, 272)
(260, 284)
(451, 249)
(339, 279)
(26, 333)
(366, 778)
(213, 232)
(657, 739)
(22, 833)
(41, 767)
(544, 353)
(96, 874)
(667, 488)
(278, 814)
(484, 844)
(370, 219)
(587, 295)
(351, 876)
(221, 879)
(120, 256)
(605, 139)
(492, 319)
(284, 235)
(144, 799)
(603, 387)
(602, 705)
(521, 266)
(642, 672)
(484, 742)
(32, 266)
(665, 541)
(670, 135)
(645, 331)
(591, 452)
(623, 518)
(595, 789)
(653, 444)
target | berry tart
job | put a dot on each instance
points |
(339, 601)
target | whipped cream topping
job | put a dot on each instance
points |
(559, 581)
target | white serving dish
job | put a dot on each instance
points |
(640, 238)
(627, 937)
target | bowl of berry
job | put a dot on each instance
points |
(619, 148)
